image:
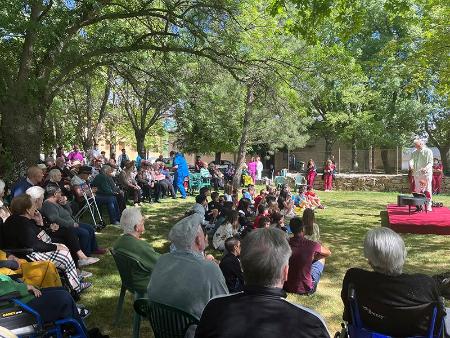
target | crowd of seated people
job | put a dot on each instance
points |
(270, 247)
(50, 246)
(246, 265)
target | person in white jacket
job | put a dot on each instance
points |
(259, 168)
(421, 164)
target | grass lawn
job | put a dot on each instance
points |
(343, 225)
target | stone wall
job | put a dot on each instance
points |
(373, 182)
(315, 149)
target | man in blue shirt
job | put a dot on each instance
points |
(181, 172)
(34, 177)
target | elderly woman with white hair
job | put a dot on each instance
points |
(131, 244)
(20, 232)
(384, 292)
(55, 176)
(57, 233)
(56, 209)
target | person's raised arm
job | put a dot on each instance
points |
(324, 252)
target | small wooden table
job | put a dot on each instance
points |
(412, 201)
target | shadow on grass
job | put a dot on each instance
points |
(343, 224)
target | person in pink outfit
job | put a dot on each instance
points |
(328, 175)
(311, 173)
(252, 169)
(437, 176)
(75, 155)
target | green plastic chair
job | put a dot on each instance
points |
(279, 181)
(166, 321)
(194, 182)
(205, 182)
(300, 181)
(127, 267)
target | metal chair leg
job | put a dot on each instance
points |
(123, 290)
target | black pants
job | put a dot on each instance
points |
(135, 194)
(120, 197)
(69, 238)
(146, 190)
(167, 188)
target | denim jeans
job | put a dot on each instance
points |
(111, 204)
(86, 235)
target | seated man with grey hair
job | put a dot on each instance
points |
(107, 188)
(184, 278)
(131, 244)
(261, 310)
(34, 177)
(384, 293)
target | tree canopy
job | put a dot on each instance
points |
(233, 75)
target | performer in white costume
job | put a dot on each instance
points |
(422, 165)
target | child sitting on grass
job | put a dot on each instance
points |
(313, 199)
(229, 228)
(260, 198)
(286, 206)
(249, 193)
(301, 200)
(278, 222)
(262, 211)
(264, 222)
(311, 229)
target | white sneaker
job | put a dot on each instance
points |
(88, 261)
(85, 274)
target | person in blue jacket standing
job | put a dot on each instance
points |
(181, 169)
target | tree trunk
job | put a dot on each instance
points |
(328, 148)
(444, 159)
(103, 111)
(385, 160)
(87, 140)
(250, 98)
(217, 157)
(140, 141)
(21, 131)
(354, 155)
(372, 159)
(112, 143)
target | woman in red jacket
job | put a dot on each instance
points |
(311, 173)
(437, 176)
(328, 175)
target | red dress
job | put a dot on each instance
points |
(437, 178)
(311, 175)
(328, 177)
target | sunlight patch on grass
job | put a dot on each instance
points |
(343, 224)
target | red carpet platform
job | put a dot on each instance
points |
(435, 222)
